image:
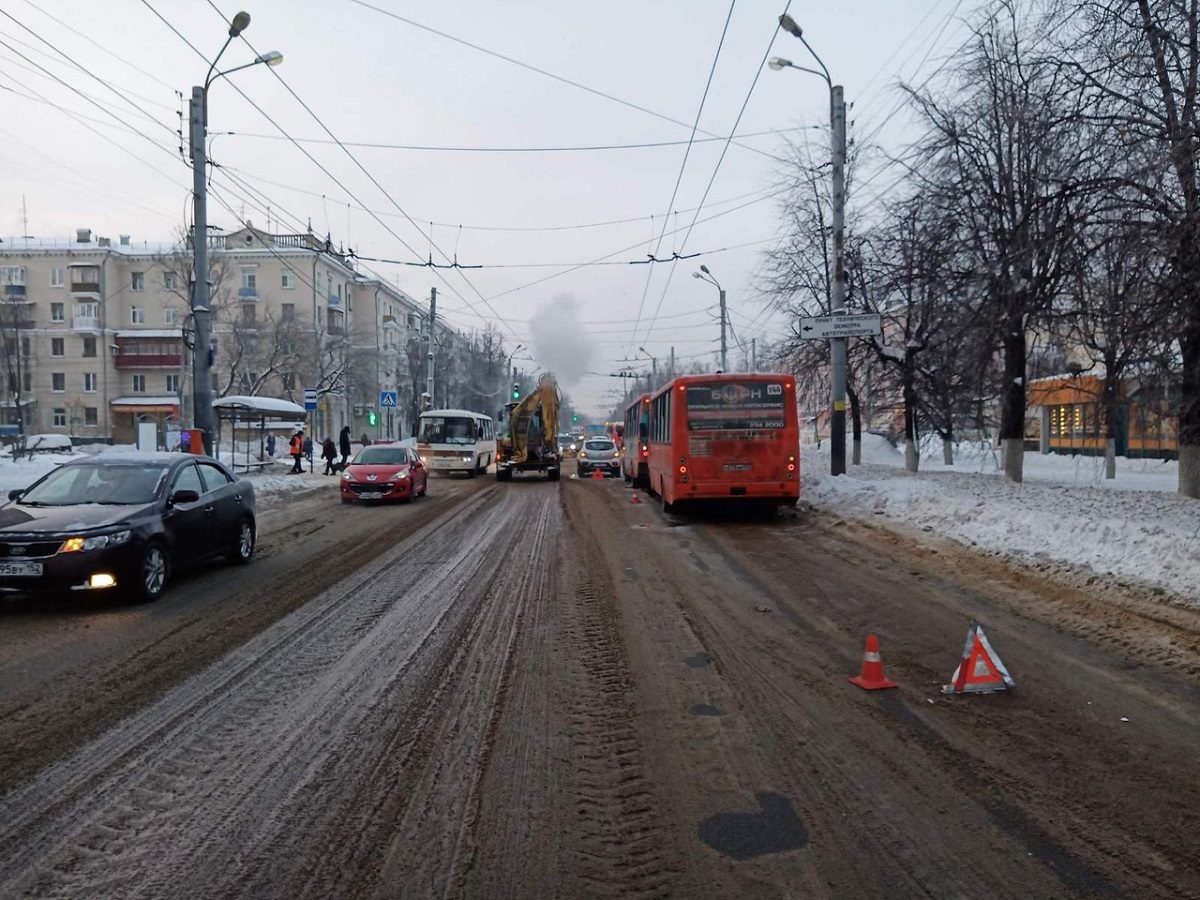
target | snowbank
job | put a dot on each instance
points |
(1135, 527)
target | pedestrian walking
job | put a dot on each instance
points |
(296, 449)
(344, 444)
(308, 450)
(271, 445)
(329, 453)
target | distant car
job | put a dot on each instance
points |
(384, 472)
(123, 523)
(598, 454)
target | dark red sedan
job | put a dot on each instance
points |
(384, 472)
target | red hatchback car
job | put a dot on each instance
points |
(384, 472)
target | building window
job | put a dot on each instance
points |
(138, 282)
(58, 382)
(89, 416)
(287, 280)
(249, 281)
(89, 346)
(26, 348)
(289, 381)
(57, 313)
(248, 315)
(60, 417)
(89, 382)
(27, 381)
(87, 310)
(170, 281)
(58, 347)
(137, 315)
(56, 277)
(12, 274)
(139, 384)
(287, 312)
(170, 315)
(172, 384)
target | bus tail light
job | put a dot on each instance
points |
(645, 450)
(791, 464)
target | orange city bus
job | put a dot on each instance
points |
(635, 463)
(728, 436)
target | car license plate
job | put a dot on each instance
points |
(371, 495)
(737, 467)
(18, 569)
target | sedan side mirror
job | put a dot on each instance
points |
(184, 496)
(15, 495)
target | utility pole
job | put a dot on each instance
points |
(432, 342)
(837, 439)
(724, 366)
(202, 393)
(671, 370)
(753, 354)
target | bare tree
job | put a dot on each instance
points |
(1011, 137)
(1142, 59)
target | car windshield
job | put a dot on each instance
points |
(381, 456)
(97, 483)
(447, 430)
(599, 445)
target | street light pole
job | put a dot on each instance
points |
(837, 299)
(705, 275)
(202, 392)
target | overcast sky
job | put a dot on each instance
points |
(373, 78)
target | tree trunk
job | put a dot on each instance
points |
(1012, 399)
(912, 453)
(855, 426)
(947, 450)
(1109, 408)
(1189, 416)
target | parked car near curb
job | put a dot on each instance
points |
(123, 523)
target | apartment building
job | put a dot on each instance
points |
(96, 333)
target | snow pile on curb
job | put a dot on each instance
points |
(1149, 535)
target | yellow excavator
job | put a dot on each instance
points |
(527, 440)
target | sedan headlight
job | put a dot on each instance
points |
(346, 476)
(95, 542)
(583, 454)
(399, 476)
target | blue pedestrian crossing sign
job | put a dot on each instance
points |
(388, 400)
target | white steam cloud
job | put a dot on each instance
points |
(559, 341)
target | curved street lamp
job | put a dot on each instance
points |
(705, 275)
(202, 391)
(837, 300)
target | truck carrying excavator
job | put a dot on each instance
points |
(526, 439)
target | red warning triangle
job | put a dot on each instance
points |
(980, 670)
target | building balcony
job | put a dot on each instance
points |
(148, 361)
(335, 300)
(85, 323)
(248, 293)
(85, 287)
(14, 291)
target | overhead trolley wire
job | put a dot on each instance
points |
(547, 74)
(713, 177)
(500, 319)
(683, 164)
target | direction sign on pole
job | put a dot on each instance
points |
(388, 400)
(820, 328)
(310, 399)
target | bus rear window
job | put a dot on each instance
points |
(735, 406)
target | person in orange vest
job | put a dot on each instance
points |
(296, 448)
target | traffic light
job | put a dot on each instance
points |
(371, 417)
(574, 418)
(516, 391)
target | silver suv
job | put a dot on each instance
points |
(598, 454)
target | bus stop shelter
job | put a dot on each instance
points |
(245, 411)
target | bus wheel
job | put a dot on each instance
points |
(667, 508)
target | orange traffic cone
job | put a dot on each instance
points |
(597, 475)
(634, 498)
(872, 677)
